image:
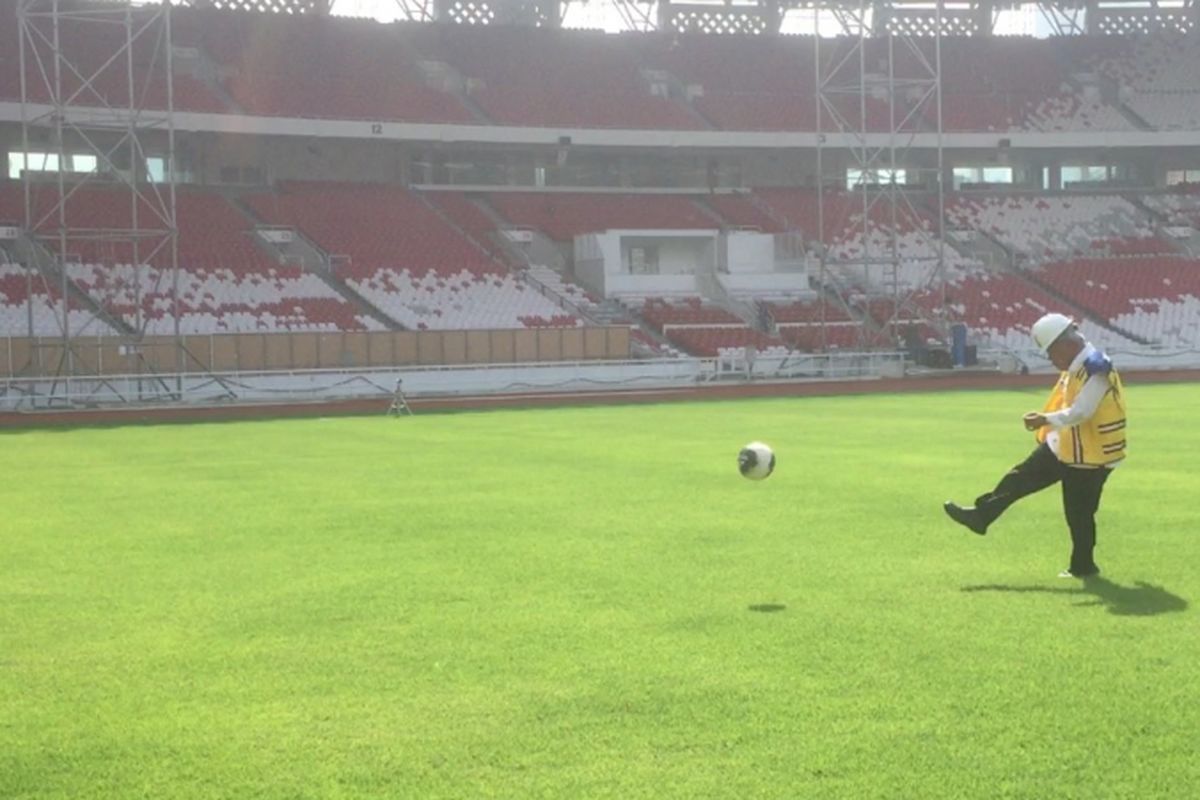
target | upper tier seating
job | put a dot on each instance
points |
(88, 48)
(916, 253)
(1181, 207)
(311, 66)
(746, 211)
(541, 77)
(1077, 111)
(995, 83)
(1048, 226)
(745, 84)
(1159, 78)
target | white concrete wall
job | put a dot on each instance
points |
(750, 252)
(602, 261)
(767, 283)
(325, 385)
(583, 137)
(676, 256)
(618, 285)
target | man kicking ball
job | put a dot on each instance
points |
(1081, 438)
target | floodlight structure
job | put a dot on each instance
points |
(877, 88)
(749, 17)
(290, 7)
(1120, 17)
(529, 13)
(96, 98)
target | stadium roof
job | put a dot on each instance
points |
(908, 17)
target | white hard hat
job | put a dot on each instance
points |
(1047, 329)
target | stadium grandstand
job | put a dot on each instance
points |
(227, 187)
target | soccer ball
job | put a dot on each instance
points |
(756, 461)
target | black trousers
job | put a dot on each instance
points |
(1081, 489)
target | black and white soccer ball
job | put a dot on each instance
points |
(756, 461)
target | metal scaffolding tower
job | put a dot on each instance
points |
(877, 88)
(96, 101)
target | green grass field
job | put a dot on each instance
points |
(592, 603)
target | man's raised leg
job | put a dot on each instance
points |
(1039, 470)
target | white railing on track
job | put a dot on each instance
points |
(323, 385)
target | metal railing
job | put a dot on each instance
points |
(206, 389)
(324, 385)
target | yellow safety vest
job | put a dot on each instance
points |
(1096, 442)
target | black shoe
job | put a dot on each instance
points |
(967, 517)
(1089, 573)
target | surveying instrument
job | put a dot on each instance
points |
(399, 402)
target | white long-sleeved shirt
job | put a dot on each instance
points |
(1086, 402)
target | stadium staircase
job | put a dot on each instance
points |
(610, 312)
(1189, 247)
(978, 246)
(547, 290)
(474, 108)
(484, 247)
(714, 291)
(302, 252)
(677, 94)
(695, 113)
(650, 336)
(518, 261)
(999, 255)
(196, 63)
(1135, 119)
(1077, 75)
(760, 203)
(31, 251)
(442, 76)
(543, 252)
(1110, 93)
(706, 208)
(540, 251)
